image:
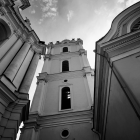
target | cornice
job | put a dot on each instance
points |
(25, 5)
(121, 43)
(38, 122)
(39, 48)
(82, 51)
(66, 42)
(64, 75)
(66, 54)
(61, 76)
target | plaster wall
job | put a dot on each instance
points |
(79, 96)
(76, 63)
(129, 70)
(122, 121)
(75, 48)
(58, 50)
(56, 64)
(78, 131)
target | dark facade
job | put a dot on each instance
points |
(117, 78)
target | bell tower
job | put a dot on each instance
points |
(62, 104)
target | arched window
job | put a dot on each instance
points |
(5, 31)
(136, 26)
(65, 98)
(65, 49)
(65, 66)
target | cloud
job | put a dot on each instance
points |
(33, 11)
(53, 9)
(49, 14)
(40, 21)
(49, 9)
(120, 1)
(101, 10)
(70, 15)
(131, 2)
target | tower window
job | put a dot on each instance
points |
(65, 49)
(65, 98)
(65, 66)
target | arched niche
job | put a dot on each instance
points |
(5, 31)
(132, 23)
(135, 25)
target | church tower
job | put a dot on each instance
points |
(62, 106)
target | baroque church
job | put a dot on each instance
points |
(71, 101)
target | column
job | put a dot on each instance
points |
(6, 46)
(21, 72)
(9, 56)
(17, 61)
(24, 88)
(39, 94)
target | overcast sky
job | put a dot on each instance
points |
(56, 20)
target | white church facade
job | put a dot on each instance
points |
(62, 106)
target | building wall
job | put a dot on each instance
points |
(71, 48)
(47, 99)
(79, 95)
(53, 133)
(129, 68)
(122, 121)
(75, 63)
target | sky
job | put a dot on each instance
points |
(56, 20)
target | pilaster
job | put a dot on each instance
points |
(39, 94)
(10, 54)
(17, 61)
(89, 73)
(21, 72)
(47, 63)
(28, 134)
(7, 45)
(83, 53)
(30, 74)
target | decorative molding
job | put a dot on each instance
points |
(47, 56)
(63, 75)
(88, 70)
(124, 42)
(41, 80)
(82, 51)
(67, 54)
(38, 122)
(1, 12)
(18, 33)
